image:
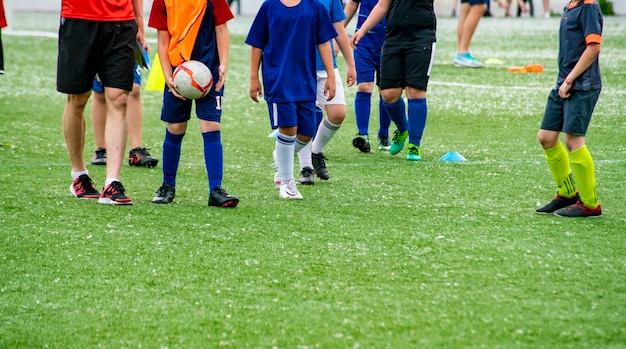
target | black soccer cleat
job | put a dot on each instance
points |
(165, 194)
(220, 198)
(362, 143)
(320, 165)
(141, 158)
(557, 203)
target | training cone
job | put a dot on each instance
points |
(493, 61)
(156, 79)
(533, 68)
(453, 156)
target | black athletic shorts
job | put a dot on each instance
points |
(403, 66)
(90, 47)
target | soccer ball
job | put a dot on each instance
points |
(193, 79)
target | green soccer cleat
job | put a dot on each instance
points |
(414, 153)
(397, 142)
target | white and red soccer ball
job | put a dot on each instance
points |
(193, 79)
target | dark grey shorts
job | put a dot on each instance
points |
(570, 115)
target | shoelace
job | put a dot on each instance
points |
(396, 136)
(220, 191)
(84, 183)
(319, 160)
(162, 191)
(142, 151)
(291, 187)
(118, 187)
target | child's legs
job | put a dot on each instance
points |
(471, 13)
(98, 118)
(392, 83)
(336, 107)
(335, 112)
(176, 114)
(134, 112)
(209, 112)
(366, 64)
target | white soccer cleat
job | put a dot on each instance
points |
(289, 191)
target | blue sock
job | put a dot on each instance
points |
(417, 119)
(213, 158)
(171, 156)
(397, 113)
(362, 109)
(383, 119)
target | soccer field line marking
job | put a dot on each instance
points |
(401, 162)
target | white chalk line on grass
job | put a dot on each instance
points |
(401, 162)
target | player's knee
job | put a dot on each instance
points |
(547, 139)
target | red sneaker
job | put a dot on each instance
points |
(579, 210)
(113, 194)
(82, 188)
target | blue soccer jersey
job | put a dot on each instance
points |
(335, 11)
(376, 36)
(288, 37)
(581, 25)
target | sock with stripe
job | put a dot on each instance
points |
(584, 173)
(304, 153)
(325, 133)
(559, 165)
(285, 147)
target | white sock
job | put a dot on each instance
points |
(325, 133)
(78, 174)
(304, 155)
(284, 156)
(110, 180)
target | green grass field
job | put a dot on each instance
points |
(387, 254)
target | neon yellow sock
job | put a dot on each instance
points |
(558, 161)
(584, 172)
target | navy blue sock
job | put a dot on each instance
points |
(213, 158)
(397, 113)
(417, 119)
(362, 109)
(383, 119)
(171, 156)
